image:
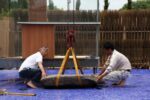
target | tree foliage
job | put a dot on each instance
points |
(145, 4)
(7, 6)
(4, 5)
(51, 5)
(23, 4)
(106, 4)
(129, 4)
(15, 4)
(78, 4)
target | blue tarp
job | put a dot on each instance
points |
(137, 88)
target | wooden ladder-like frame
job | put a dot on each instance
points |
(63, 65)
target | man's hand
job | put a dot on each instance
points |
(100, 77)
(44, 74)
(42, 69)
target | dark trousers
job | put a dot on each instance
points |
(30, 74)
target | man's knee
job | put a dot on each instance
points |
(37, 76)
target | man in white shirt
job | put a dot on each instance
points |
(116, 69)
(32, 69)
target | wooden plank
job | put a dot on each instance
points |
(4, 37)
(36, 36)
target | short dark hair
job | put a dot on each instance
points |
(108, 45)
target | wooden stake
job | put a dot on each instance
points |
(63, 66)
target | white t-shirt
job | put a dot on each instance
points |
(118, 61)
(32, 61)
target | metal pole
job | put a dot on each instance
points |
(73, 12)
(68, 9)
(98, 11)
(97, 37)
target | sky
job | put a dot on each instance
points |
(91, 4)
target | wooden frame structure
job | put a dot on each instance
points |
(38, 34)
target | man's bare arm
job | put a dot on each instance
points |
(102, 71)
(42, 69)
(101, 76)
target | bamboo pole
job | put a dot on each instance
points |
(4, 92)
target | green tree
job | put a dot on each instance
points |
(4, 6)
(129, 4)
(23, 4)
(139, 5)
(7, 6)
(78, 4)
(106, 4)
(51, 5)
(15, 4)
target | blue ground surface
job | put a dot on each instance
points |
(137, 88)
